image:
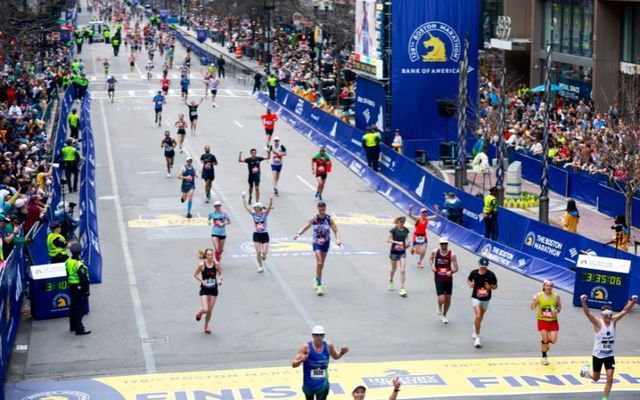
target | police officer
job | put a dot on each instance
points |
(74, 123)
(371, 144)
(82, 84)
(70, 160)
(490, 213)
(78, 278)
(106, 34)
(115, 42)
(79, 41)
(56, 243)
(272, 83)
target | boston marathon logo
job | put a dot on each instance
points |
(58, 395)
(544, 244)
(599, 294)
(437, 46)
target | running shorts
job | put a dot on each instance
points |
(205, 291)
(261, 237)
(254, 179)
(549, 326)
(208, 174)
(324, 248)
(169, 154)
(444, 288)
(276, 167)
(609, 363)
(268, 131)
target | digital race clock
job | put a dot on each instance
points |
(604, 280)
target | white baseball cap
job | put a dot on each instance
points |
(257, 204)
(443, 240)
(276, 138)
(217, 203)
(318, 330)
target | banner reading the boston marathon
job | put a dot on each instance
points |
(428, 41)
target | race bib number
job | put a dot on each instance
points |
(255, 170)
(277, 161)
(188, 178)
(193, 113)
(210, 283)
(482, 292)
(259, 227)
(420, 239)
(442, 271)
(398, 247)
(546, 313)
(218, 222)
(208, 166)
(321, 168)
(607, 346)
(320, 240)
(318, 373)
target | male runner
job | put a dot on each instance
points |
(320, 167)
(269, 122)
(278, 152)
(168, 144)
(111, 87)
(214, 83)
(482, 282)
(188, 176)
(604, 340)
(184, 88)
(253, 163)
(444, 264)
(159, 100)
(193, 114)
(360, 391)
(208, 161)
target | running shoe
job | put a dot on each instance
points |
(402, 293)
(444, 319)
(391, 286)
(181, 199)
(412, 251)
(476, 342)
(319, 290)
(317, 194)
(168, 175)
(275, 191)
(315, 283)
(199, 315)
(544, 361)
(207, 330)
(260, 270)
(320, 196)
(189, 215)
(180, 149)
(584, 371)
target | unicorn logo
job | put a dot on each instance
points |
(438, 52)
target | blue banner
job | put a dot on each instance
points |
(428, 41)
(88, 229)
(201, 34)
(12, 284)
(370, 103)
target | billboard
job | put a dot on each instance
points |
(427, 43)
(368, 41)
(370, 103)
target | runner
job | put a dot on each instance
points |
(269, 122)
(360, 391)
(164, 84)
(184, 88)
(398, 253)
(168, 144)
(320, 167)
(314, 357)
(132, 62)
(482, 282)
(111, 87)
(165, 70)
(218, 219)
(604, 340)
(419, 243)
(149, 69)
(253, 163)
(214, 83)
(278, 152)
(159, 100)
(261, 232)
(548, 306)
(193, 114)
(181, 124)
(105, 65)
(321, 239)
(209, 274)
(208, 161)
(188, 176)
(444, 264)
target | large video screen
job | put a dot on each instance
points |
(368, 37)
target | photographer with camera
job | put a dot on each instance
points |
(621, 234)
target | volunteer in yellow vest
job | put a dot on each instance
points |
(78, 278)
(74, 123)
(106, 34)
(490, 214)
(70, 161)
(272, 83)
(371, 144)
(548, 306)
(56, 243)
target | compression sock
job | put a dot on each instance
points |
(189, 204)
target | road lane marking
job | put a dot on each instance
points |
(147, 351)
(237, 123)
(313, 189)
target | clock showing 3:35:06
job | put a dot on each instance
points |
(601, 278)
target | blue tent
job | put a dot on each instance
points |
(537, 89)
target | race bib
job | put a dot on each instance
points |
(482, 292)
(398, 247)
(420, 239)
(320, 240)
(321, 168)
(276, 161)
(218, 222)
(259, 227)
(442, 271)
(210, 283)
(607, 346)
(255, 170)
(546, 313)
(188, 178)
(193, 113)
(318, 373)
(208, 166)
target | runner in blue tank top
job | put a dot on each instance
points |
(188, 176)
(322, 227)
(260, 214)
(314, 357)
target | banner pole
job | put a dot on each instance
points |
(543, 211)
(500, 151)
(461, 164)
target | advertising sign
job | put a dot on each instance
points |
(370, 103)
(368, 40)
(428, 41)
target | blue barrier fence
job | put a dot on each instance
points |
(590, 189)
(527, 246)
(12, 284)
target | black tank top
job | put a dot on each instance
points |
(443, 265)
(209, 276)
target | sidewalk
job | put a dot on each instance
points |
(593, 224)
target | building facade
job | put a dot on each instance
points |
(595, 43)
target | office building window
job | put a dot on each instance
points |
(490, 11)
(631, 34)
(572, 23)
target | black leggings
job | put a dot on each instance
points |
(321, 395)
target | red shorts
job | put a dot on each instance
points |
(549, 326)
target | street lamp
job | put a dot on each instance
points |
(269, 6)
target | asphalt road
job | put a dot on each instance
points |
(142, 315)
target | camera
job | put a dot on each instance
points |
(616, 227)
